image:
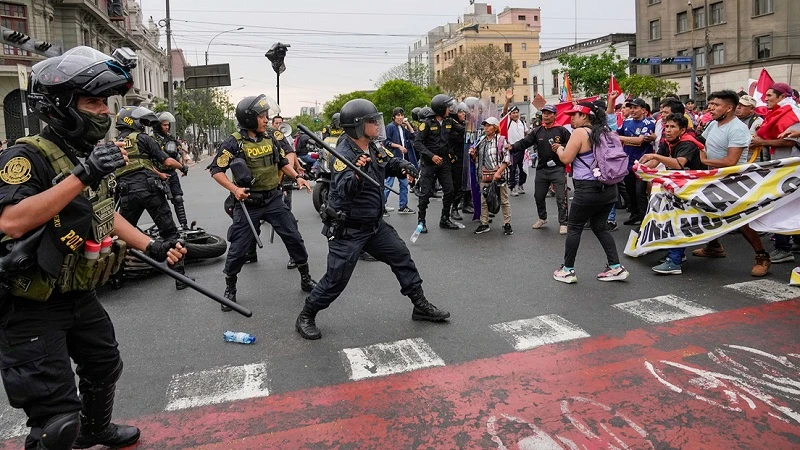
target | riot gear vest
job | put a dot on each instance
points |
(77, 273)
(136, 160)
(170, 147)
(262, 159)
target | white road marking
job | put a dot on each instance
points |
(531, 333)
(389, 358)
(12, 423)
(768, 290)
(224, 384)
(665, 308)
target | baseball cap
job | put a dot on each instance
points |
(514, 108)
(782, 88)
(491, 121)
(579, 109)
(550, 108)
(636, 102)
(747, 100)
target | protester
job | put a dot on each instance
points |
(593, 200)
(399, 139)
(516, 131)
(492, 161)
(637, 135)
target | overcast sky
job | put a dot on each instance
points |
(339, 46)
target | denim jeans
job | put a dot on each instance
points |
(783, 242)
(612, 216)
(676, 255)
(403, 191)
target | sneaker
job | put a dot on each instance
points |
(406, 210)
(389, 209)
(539, 224)
(562, 229)
(618, 274)
(633, 221)
(565, 276)
(507, 229)
(709, 252)
(668, 268)
(386, 214)
(482, 229)
(683, 260)
(612, 226)
(761, 266)
(779, 256)
(520, 190)
(514, 192)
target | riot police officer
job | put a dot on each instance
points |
(54, 207)
(458, 137)
(435, 148)
(169, 145)
(257, 154)
(354, 220)
(140, 186)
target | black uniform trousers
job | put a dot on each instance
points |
(429, 174)
(637, 195)
(37, 340)
(138, 199)
(174, 182)
(274, 211)
(457, 172)
(382, 242)
(545, 176)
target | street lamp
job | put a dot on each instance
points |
(219, 34)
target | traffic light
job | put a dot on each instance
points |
(640, 60)
(698, 86)
(668, 61)
(276, 54)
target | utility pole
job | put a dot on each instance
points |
(708, 48)
(170, 88)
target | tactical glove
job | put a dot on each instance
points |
(158, 248)
(185, 169)
(104, 159)
(411, 170)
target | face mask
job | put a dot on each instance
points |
(95, 127)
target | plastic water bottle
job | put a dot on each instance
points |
(240, 337)
(417, 232)
(459, 224)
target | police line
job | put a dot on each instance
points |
(695, 206)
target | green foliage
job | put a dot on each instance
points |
(336, 104)
(313, 123)
(647, 86)
(590, 74)
(201, 107)
(399, 93)
(479, 70)
(413, 72)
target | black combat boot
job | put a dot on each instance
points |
(446, 223)
(306, 283)
(96, 426)
(291, 264)
(306, 326)
(230, 291)
(180, 211)
(423, 309)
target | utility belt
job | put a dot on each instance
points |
(152, 184)
(77, 273)
(259, 198)
(360, 226)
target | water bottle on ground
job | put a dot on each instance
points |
(459, 224)
(417, 232)
(240, 337)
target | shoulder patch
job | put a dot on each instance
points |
(224, 159)
(277, 135)
(388, 152)
(339, 165)
(16, 171)
(422, 126)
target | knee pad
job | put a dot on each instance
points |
(60, 432)
(177, 199)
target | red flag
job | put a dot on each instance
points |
(779, 119)
(561, 117)
(504, 126)
(764, 82)
(614, 86)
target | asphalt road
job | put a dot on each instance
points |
(483, 280)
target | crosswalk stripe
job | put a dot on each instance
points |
(224, 384)
(767, 290)
(389, 358)
(665, 308)
(12, 423)
(531, 333)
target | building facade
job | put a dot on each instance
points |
(744, 36)
(545, 79)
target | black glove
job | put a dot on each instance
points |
(104, 159)
(411, 170)
(185, 169)
(158, 248)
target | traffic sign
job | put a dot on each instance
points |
(213, 75)
(677, 60)
(655, 60)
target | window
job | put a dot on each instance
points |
(683, 22)
(492, 99)
(655, 69)
(87, 38)
(699, 15)
(653, 2)
(522, 18)
(525, 98)
(717, 13)
(655, 29)
(683, 66)
(460, 49)
(535, 85)
(763, 46)
(524, 46)
(555, 84)
(524, 81)
(718, 54)
(491, 45)
(524, 64)
(761, 7)
(700, 57)
(438, 72)
(507, 48)
(14, 17)
(535, 18)
(437, 59)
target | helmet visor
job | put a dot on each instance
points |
(376, 120)
(266, 104)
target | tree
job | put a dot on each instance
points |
(478, 70)
(413, 72)
(336, 104)
(313, 123)
(399, 93)
(205, 108)
(647, 86)
(590, 74)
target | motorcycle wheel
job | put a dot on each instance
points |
(206, 247)
(319, 196)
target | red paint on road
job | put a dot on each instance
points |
(725, 380)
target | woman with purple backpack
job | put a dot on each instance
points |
(595, 189)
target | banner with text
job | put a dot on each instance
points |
(692, 207)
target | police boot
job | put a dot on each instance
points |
(291, 264)
(306, 325)
(230, 291)
(446, 223)
(96, 426)
(180, 285)
(180, 211)
(423, 309)
(306, 283)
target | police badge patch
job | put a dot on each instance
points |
(339, 165)
(277, 135)
(16, 171)
(422, 126)
(224, 159)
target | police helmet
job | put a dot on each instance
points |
(441, 102)
(462, 107)
(355, 114)
(56, 84)
(415, 114)
(336, 122)
(426, 112)
(166, 116)
(135, 118)
(249, 108)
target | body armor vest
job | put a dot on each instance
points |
(136, 160)
(262, 159)
(77, 273)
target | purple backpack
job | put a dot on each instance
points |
(610, 158)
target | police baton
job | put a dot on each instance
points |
(346, 161)
(162, 267)
(250, 222)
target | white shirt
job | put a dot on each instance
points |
(516, 130)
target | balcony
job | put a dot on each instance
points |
(98, 11)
